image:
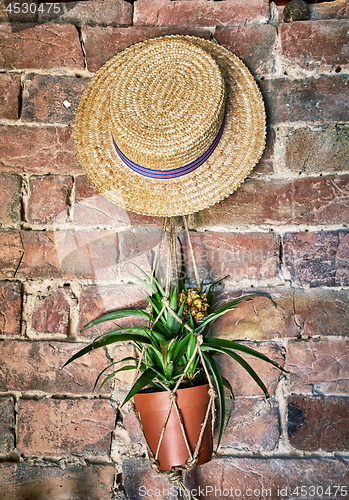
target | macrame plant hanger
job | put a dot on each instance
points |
(175, 475)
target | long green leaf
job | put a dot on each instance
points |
(122, 369)
(212, 342)
(220, 391)
(129, 358)
(143, 380)
(226, 384)
(110, 339)
(122, 313)
(247, 367)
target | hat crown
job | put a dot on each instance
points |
(167, 103)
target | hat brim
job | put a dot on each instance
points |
(239, 149)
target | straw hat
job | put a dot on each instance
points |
(170, 126)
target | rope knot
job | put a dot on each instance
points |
(149, 309)
(166, 302)
(199, 340)
(212, 393)
(191, 463)
(173, 397)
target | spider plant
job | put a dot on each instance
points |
(168, 344)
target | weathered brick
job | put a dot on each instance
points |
(11, 252)
(138, 474)
(93, 209)
(253, 425)
(18, 17)
(278, 477)
(318, 367)
(52, 427)
(10, 88)
(48, 200)
(199, 12)
(97, 300)
(241, 382)
(318, 423)
(37, 366)
(298, 311)
(318, 259)
(102, 43)
(52, 99)
(90, 12)
(338, 9)
(253, 43)
(48, 149)
(310, 99)
(73, 481)
(69, 254)
(241, 255)
(33, 46)
(51, 314)
(7, 425)
(318, 150)
(313, 45)
(317, 200)
(10, 196)
(10, 308)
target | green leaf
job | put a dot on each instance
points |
(212, 342)
(129, 358)
(226, 384)
(145, 379)
(220, 391)
(247, 367)
(111, 338)
(122, 369)
(122, 313)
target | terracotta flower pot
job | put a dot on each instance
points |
(192, 402)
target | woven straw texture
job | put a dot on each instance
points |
(163, 102)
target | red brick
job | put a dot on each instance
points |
(318, 200)
(241, 382)
(37, 366)
(102, 43)
(319, 367)
(329, 10)
(253, 425)
(44, 97)
(199, 12)
(10, 196)
(73, 481)
(240, 255)
(46, 47)
(324, 149)
(10, 88)
(279, 475)
(298, 311)
(111, 12)
(69, 254)
(10, 307)
(18, 17)
(51, 313)
(7, 425)
(253, 43)
(138, 473)
(11, 252)
(314, 45)
(48, 200)
(53, 427)
(93, 209)
(48, 149)
(318, 259)
(311, 99)
(96, 300)
(318, 423)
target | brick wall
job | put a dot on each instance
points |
(63, 250)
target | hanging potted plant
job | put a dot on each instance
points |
(177, 377)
